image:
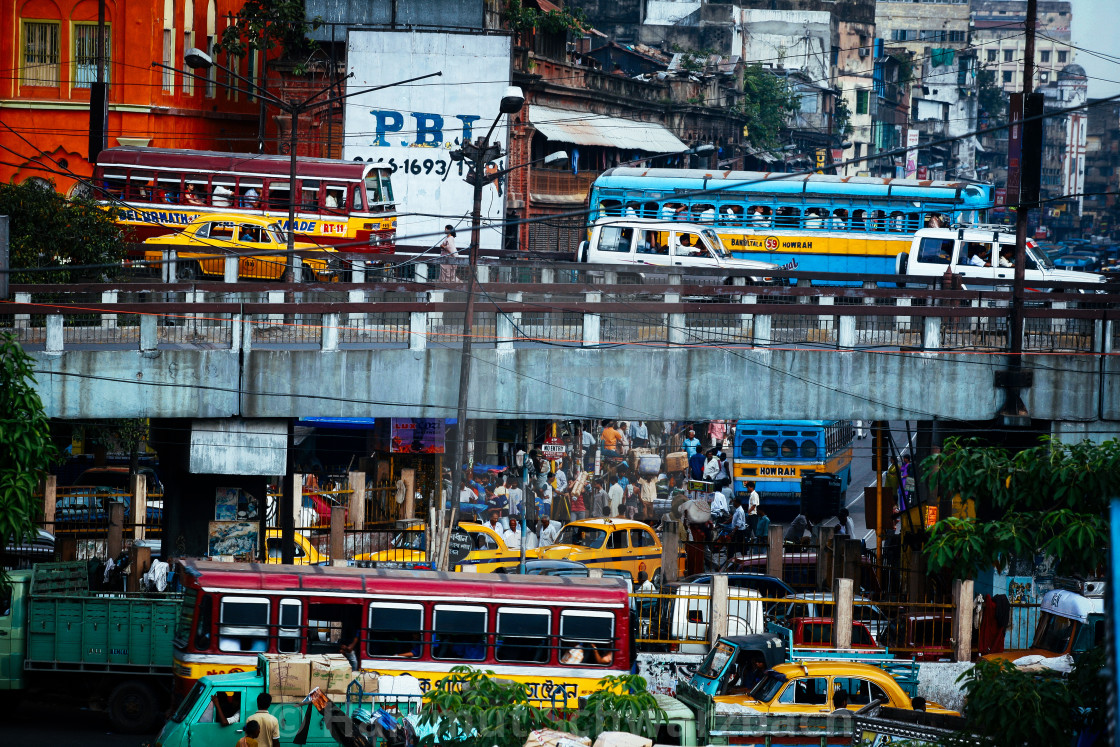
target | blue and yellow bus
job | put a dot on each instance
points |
(776, 454)
(816, 222)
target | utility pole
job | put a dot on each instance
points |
(1014, 379)
(99, 94)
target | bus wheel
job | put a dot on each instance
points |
(188, 271)
(132, 707)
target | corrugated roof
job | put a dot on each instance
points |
(585, 128)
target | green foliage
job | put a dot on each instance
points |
(47, 229)
(693, 60)
(25, 443)
(992, 99)
(472, 708)
(1013, 707)
(768, 101)
(1051, 500)
(842, 121)
(621, 704)
(266, 24)
(520, 19)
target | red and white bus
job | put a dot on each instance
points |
(559, 635)
(346, 204)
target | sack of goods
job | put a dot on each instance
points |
(677, 461)
(649, 465)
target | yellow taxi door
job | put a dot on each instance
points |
(619, 552)
(647, 554)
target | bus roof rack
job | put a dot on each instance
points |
(1000, 227)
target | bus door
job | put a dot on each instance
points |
(333, 622)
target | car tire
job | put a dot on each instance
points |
(132, 707)
(188, 271)
(657, 578)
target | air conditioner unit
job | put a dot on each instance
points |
(864, 51)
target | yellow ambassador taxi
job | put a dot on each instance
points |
(490, 550)
(809, 687)
(306, 553)
(624, 544)
(202, 242)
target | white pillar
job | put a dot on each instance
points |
(329, 332)
(358, 271)
(54, 333)
(230, 268)
(109, 321)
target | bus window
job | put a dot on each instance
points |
(769, 448)
(373, 188)
(731, 215)
(878, 220)
(703, 213)
(359, 198)
(815, 218)
(291, 618)
(859, 220)
(309, 195)
(808, 449)
(586, 637)
(898, 222)
(114, 185)
(224, 188)
(336, 198)
(196, 191)
(789, 449)
(251, 194)
(749, 447)
(202, 624)
(610, 207)
(459, 632)
(523, 635)
(615, 239)
(395, 630)
(168, 188)
(935, 251)
(760, 216)
(839, 220)
(386, 188)
(651, 242)
(331, 625)
(649, 210)
(243, 625)
(278, 195)
(138, 185)
(787, 217)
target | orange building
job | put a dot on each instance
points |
(47, 49)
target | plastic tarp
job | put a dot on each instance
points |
(585, 128)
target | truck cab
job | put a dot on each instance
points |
(981, 252)
(13, 630)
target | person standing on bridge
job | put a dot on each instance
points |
(447, 250)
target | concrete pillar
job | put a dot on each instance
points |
(296, 263)
(963, 601)
(931, 333)
(507, 322)
(149, 332)
(275, 297)
(1059, 325)
(421, 272)
(139, 492)
(115, 540)
(169, 270)
(54, 333)
(109, 321)
(297, 499)
(22, 321)
(843, 594)
(746, 320)
(358, 271)
(1098, 339)
(246, 337)
(357, 506)
(675, 278)
(846, 332)
(548, 276)
(824, 556)
(408, 508)
(356, 319)
(775, 551)
(236, 331)
(848, 554)
(670, 552)
(824, 320)
(762, 334)
(717, 621)
(418, 330)
(50, 501)
(338, 535)
(592, 323)
(230, 267)
(610, 277)
(903, 321)
(329, 332)
(482, 272)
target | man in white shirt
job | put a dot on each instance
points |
(615, 496)
(561, 478)
(550, 530)
(512, 536)
(752, 498)
(739, 520)
(711, 467)
(719, 504)
(466, 495)
(514, 494)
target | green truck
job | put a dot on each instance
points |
(109, 650)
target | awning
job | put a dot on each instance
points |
(585, 128)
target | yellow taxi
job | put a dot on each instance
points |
(306, 552)
(624, 544)
(202, 242)
(490, 550)
(810, 686)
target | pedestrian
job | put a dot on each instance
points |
(717, 430)
(633, 501)
(267, 723)
(348, 642)
(797, 528)
(639, 435)
(739, 532)
(847, 524)
(449, 254)
(587, 438)
(615, 495)
(560, 477)
(251, 732)
(752, 497)
(692, 443)
(512, 536)
(600, 503)
(515, 495)
(550, 530)
(611, 438)
(723, 477)
(762, 526)
(579, 507)
(711, 466)
(495, 523)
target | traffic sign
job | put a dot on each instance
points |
(459, 546)
(553, 448)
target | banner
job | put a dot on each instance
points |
(911, 153)
(417, 436)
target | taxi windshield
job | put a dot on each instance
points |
(1054, 633)
(582, 536)
(409, 540)
(714, 242)
(278, 235)
(768, 687)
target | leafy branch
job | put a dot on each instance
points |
(522, 19)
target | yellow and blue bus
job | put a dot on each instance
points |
(776, 454)
(815, 222)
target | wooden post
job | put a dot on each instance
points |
(717, 622)
(775, 553)
(408, 508)
(50, 501)
(963, 601)
(843, 596)
(141, 562)
(847, 557)
(824, 556)
(357, 481)
(115, 541)
(917, 590)
(338, 535)
(139, 505)
(670, 552)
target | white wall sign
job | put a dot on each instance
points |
(414, 127)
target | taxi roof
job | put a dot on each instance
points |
(834, 668)
(1070, 604)
(606, 523)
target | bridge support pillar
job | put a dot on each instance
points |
(357, 481)
(420, 272)
(482, 273)
(109, 321)
(149, 331)
(931, 333)
(507, 324)
(357, 271)
(762, 333)
(54, 333)
(418, 330)
(901, 322)
(824, 320)
(329, 333)
(592, 323)
(846, 333)
(246, 336)
(548, 276)
(356, 296)
(276, 297)
(229, 269)
(169, 271)
(22, 321)
(843, 594)
(1102, 336)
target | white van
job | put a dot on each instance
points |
(654, 243)
(691, 612)
(980, 252)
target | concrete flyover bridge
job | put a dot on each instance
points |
(562, 340)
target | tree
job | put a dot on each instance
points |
(992, 98)
(263, 25)
(471, 708)
(47, 229)
(768, 101)
(621, 704)
(1050, 499)
(25, 443)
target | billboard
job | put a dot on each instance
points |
(414, 127)
(911, 153)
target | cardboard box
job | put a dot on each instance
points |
(553, 738)
(677, 462)
(368, 680)
(331, 673)
(288, 675)
(622, 739)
